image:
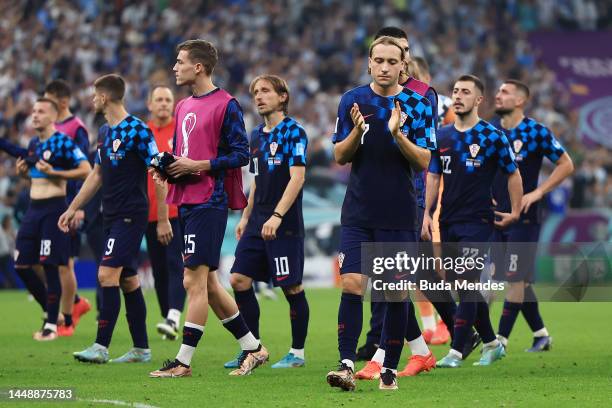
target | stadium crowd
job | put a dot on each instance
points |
(320, 46)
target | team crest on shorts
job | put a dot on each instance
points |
(47, 155)
(340, 259)
(273, 147)
(116, 144)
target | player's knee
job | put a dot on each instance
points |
(64, 270)
(240, 282)
(129, 284)
(516, 292)
(194, 284)
(292, 290)
(351, 283)
(109, 276)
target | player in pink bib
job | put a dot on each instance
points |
(210, 146)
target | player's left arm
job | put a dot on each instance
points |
(297, 173)
(417, 152)
(506, 162)
(564, 167)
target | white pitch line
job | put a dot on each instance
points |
(118, 402)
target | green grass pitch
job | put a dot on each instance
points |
(577, 372)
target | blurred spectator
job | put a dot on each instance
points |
(320, 47)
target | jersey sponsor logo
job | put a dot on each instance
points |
(474, 149)
(189, 122)
(116, 144)
(273, 148)
(46, 155)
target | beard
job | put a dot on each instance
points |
(503, 111)
(464, 113)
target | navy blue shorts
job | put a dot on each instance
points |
(122, 239)
(520, 252)
(75, 244)
(281, 259)
(475, 236)
(203, 231)
(351, 238)
(39, 240)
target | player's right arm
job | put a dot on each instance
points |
(432, 187)
(12, 149)
(246, 213)
(88, 190)
(163, 228)
(350, 128)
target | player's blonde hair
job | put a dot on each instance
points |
(387, 41)
(279, 85)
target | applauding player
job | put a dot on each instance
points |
(382, 128)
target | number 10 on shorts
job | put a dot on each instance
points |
(282, 266)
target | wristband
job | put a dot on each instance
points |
(277, 214)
